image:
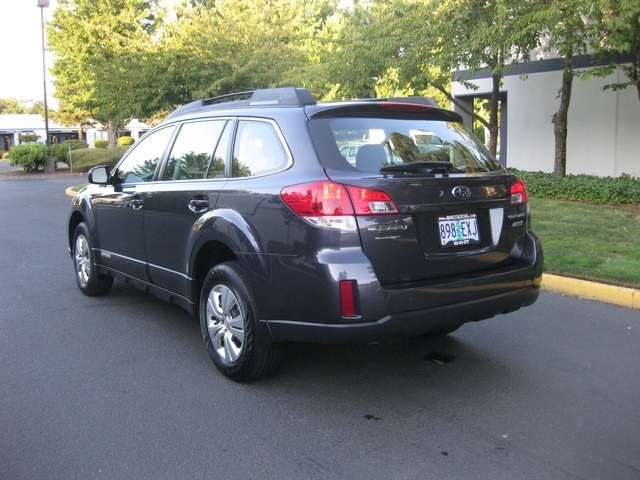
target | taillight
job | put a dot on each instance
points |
(371, 202)
(519, 193)
(333, 205)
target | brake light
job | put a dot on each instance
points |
(405, 107)
(519, 193)
(333, 205)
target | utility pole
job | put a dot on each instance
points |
(49, 166)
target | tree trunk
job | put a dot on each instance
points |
(560, 119)
(635, 71)
(113, 133)
(494, 121)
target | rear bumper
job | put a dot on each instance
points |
(407, 323)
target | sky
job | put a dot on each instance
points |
(21, 40)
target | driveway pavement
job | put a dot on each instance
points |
(5, 167)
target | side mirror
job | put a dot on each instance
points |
(99, 175)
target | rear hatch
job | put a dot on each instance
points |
(451, 209)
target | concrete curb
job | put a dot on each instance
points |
(622, 296)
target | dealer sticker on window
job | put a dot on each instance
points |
(458, 230)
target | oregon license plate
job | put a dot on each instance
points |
(458, 230)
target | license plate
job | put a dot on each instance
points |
(458, 230)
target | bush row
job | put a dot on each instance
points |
(32, 156)
(623, 190)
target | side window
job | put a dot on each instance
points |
(257, 150)
(141, 162)
(217, 166)
(192, 150)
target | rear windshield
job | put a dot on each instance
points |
(404, 146)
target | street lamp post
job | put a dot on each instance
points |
(49, 165)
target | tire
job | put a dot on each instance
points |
(228, 320)
(90, 282)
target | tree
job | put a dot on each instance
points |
(11, 106)
(477, 35)
(565, 34)
(419, 44)
(224, 46)
(615, 29)
(89, 37)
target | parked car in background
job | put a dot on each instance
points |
(245, 211)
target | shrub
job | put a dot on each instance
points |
(5, 155)
(60, 151)
(101, 143)
(623, 190)
(75, 144)
(126, 140)
(31, 156)
(27, 138)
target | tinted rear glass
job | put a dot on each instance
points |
(369, 144)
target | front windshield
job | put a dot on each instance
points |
(390, 144)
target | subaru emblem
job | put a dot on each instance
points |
(461, 192)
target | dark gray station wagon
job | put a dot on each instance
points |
(243, 210)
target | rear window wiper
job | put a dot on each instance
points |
(419, 167)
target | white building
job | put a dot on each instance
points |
(13, 125)
(603, 128)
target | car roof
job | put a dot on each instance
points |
(302, 98)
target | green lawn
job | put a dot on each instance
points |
(592, 242)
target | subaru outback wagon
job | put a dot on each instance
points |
(242, 210)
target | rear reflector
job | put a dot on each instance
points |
(348, 298)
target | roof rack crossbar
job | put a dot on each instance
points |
(283, 96)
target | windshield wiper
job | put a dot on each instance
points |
(419, 167)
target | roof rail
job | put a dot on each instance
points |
(283, 96)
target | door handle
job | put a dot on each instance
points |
(199, 203)
(136, 202)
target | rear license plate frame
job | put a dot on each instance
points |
(458, 230)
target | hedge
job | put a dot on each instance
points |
(623, 190)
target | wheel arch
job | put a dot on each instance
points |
(75, 219)
(207, 256)
(225, 236)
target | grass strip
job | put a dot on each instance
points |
(592, 242)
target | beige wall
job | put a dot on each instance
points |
(604, 126)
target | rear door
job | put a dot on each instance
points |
(188, 188)
(452, 197)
